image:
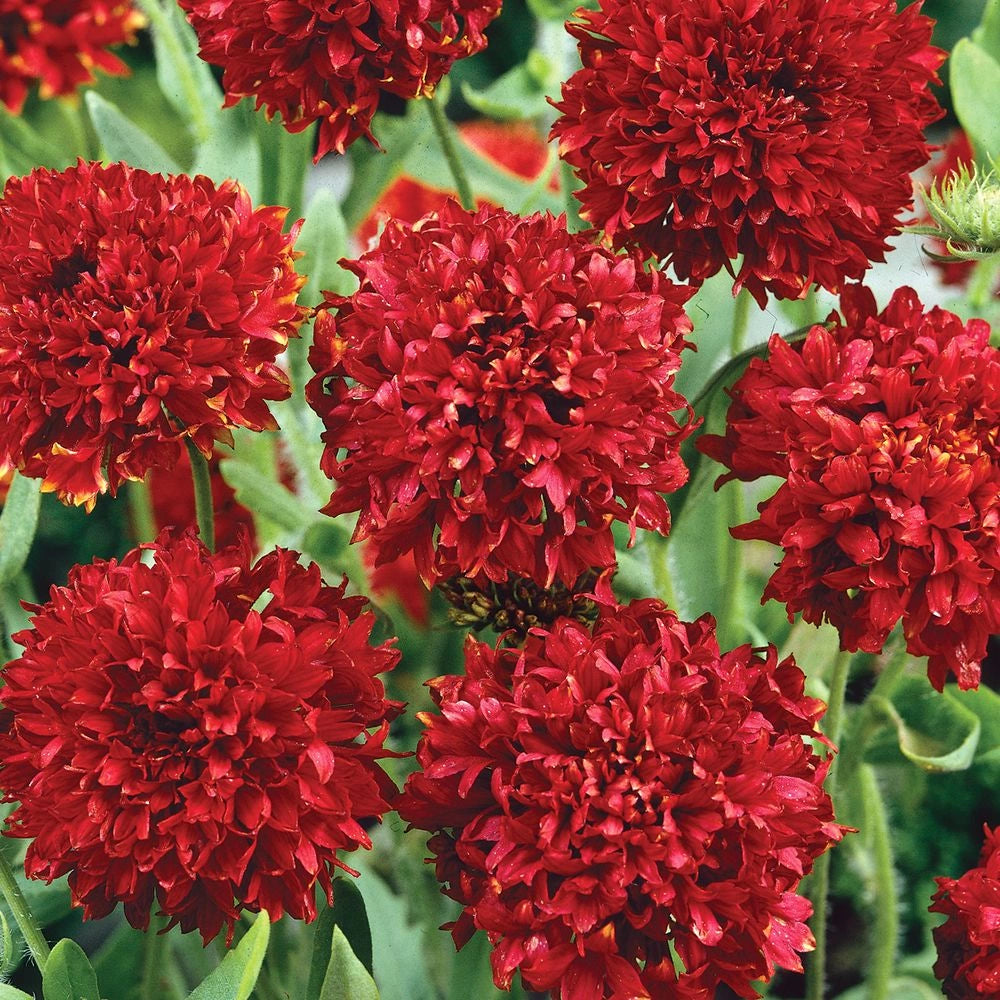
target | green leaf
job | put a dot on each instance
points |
(348, 916)
(231, 150)
(520, 93)
(900, 988)
(985, 703)
(121, 139)
(400, 954)
(935, 732)
(319, 962)
(23, 145)
(375, 169)
(261, 494)
(235, 978)
(8, 992)
(346, 978)
(351, 917)
(184, 78)
(987, 35)
(68, 974)
(324, 240)
(974, 72)
(18, 523)
(557, 10)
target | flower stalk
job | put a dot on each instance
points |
(33, 936)
(204, 508)
(446, 137)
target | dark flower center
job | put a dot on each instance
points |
(67, 271)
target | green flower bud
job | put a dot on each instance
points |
(966, 207)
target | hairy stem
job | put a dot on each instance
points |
(833, 723)
(446, 137)
(203, 507)
(885, 933)
(33, 935)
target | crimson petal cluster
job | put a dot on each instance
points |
(968, 942)
(784, 132)
(496, 393)
(195, 733)
(58, 43)
(883, 427)
(603, 796)
(332, 62)
(136, 310)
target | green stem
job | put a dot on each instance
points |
(741, 316)
(732, 554)
(885, 932)
(154, 950)
(202, 126)
(203, 507)
(33, 935)
(984, 276)
(140, 506)
(568, 184)
(870, 718)
(816, 963)
(732, 560)
(449, 147)
(661, 573)
(285, 157)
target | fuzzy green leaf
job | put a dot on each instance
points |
(974, 72)
(987, 35)
(18, 523)
(235, 978)
(346, 978)
(68, 974)
(121, 139)
(185, 79)
(935, 732)
(8, 992)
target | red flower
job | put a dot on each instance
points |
(331, 63)
(167, 741)
(58, 43)
(513, 147)
(968, 942)
(135, 310)
(782, 132)
(884, 430)
(400, 581)
(600, 798)
(502, 390)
